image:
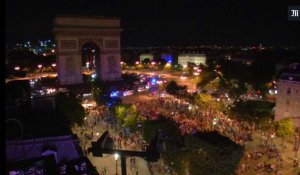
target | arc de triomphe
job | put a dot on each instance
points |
(72, 32)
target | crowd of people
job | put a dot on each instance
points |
(191, 118)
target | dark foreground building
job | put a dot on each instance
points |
(40, 142)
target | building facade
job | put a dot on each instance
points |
(73, 32)
(288, 98)
(184, 59)
(144, 56)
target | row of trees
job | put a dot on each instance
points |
(238, 78)
(201, 153)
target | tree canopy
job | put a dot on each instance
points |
(70, 108)
(284, 127)
(174, 89)
(127, 116)
(259, 112)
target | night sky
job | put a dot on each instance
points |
(164, 22)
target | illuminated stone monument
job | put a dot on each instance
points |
(72, 32)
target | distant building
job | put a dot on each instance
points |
(288, 98)
(144, 56)
(184, 59)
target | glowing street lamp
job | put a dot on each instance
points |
(272, 137)
(53, 65)
(137, 62)
(153, 63)
(40, 67)
(116, 155)
(17, 68)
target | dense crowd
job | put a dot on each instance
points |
(191, 118)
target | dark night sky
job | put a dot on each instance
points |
(164, 22)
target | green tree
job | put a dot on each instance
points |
(238, 90)
(174, 89)
(259, 112)
(212, 153)
(120, 113)
(207, 101)
(128, 116)
(70, 108)
(151, 127)
(146, 61)
(130, 121)
(284, 127)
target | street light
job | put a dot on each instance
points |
(116, 155)
(17, 68)
(272, 137)
(40, 67)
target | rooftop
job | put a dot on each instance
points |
(290, 77)
(293, 74)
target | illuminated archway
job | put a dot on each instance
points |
(73, 33)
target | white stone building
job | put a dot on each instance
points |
(288, 98)
(184, 59)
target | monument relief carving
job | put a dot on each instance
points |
(70, 66)
(73, 32)
(113, 44)
(112, 64)
(68, 44)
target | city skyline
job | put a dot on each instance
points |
(160, 23)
